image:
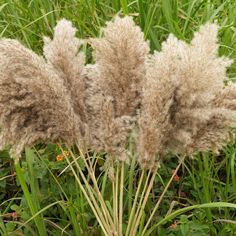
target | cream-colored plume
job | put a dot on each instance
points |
(36, 97)
(63, 53)
(186, 107)
(115, 83)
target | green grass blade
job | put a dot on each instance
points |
(32, 206)
(190, 208)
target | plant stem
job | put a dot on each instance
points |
(89, 196)
(162, 195)
(91, 173)
(134, 204)
(140, 212)
(116, 198)
(130, 186)
(121, 197)
(140, 201)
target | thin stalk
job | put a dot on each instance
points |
(91, 173)
(99, 195)
(162, 195)
(121, 197)
(134, 229)
(124, 5)
(131, 183)
(94, 207)
(90, 198)
(134, 203)
(141, 225)
(140, 201)
(116, 199)
(90, 190)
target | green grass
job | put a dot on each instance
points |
(45, 197)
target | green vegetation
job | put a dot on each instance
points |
(41, 196)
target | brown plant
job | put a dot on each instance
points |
(36, 99)
(186, 105)
(114, 84)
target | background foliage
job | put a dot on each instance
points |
(64, 210)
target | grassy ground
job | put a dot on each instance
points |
(64, 210)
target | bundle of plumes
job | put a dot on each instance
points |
(40, 100)
(44, 100)
(114, 85)
(186, 105)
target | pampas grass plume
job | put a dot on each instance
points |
(186, 106)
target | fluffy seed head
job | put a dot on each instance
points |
(115, 79)
(63, 54)
(36, 103)
(184, 105)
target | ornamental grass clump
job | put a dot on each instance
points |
(43, 100)
(187, 106)
(64, 55)
(38, 98)
(179, 95)
(114, 84)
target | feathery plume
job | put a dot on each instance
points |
(63, 53)
(35, 102)
(114, 84)
(186, 107)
